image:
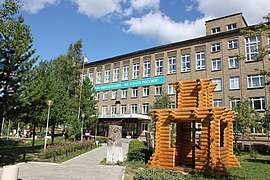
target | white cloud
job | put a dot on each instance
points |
(33, 6)
(189, 8)
(253, 10)
(145, 4)
(99, 8)
(163, 29)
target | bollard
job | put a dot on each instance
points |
(66, 153)
(54, 156)
(10, 172)
(24, 155)
(1, 159)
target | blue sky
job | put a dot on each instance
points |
(110, 28)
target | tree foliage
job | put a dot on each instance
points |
(16, 53)
(161, 102)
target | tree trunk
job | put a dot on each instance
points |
(34, 133)
(52, 133)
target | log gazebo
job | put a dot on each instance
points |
(210, 150)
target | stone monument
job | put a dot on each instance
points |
(114, 145)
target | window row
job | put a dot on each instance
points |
(257, 103)
(134, 92)
(230, 27)
(134, 109)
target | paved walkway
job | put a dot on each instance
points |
(84, 167)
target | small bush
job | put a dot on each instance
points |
(137, 151)
(102, 139)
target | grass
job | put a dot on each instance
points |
(252, 167)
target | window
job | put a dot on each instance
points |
(107, 76)
(233, 44)
(159, 66)
(234, 102)
(185, 62)
(144, 126)
(104, 110)
(146, 69)
(91, 76)
(171, 89)
(145, 108)
(134, 109)
(252, 46)
(125, 72)
(217, 102)
(172, 105)
(114, 94)
(158, 90)
(233, 62)
(231, 26)
(115, 74)
(216, 64)
(123, 109)
(124, 93)
(83, 76)
(217, 81)
(215, 47)
(215, 30)
(255, 81)
(234, 82)
(258, 103)
(172, 65)
(97, 96)
(145, 91)
(136, 70)
(134, 92)
(113, 109)
(98, 79)
(200, 60)
(105, 95)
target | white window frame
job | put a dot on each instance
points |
(172, 65)
(215, 30)
(124, 93)
(144, 126)
(134, 108)
(234, 102)
(104, 109)
(216, 64)
(123, 109)
(217, 81)
(217, 103)
(135, 71)
(145, 108)
(134, 92)
(146, 69)
(114, 94)
(185, 62)
(200, 60)
(234, 82)
(145, 91)
(113, 109)
(233, 44)
(261, 100)
(107, 76)
(231, 27)
(172, 105)
(159, 66)
(215, 47)
(171, 89)
(97, 96)
(105, 96)
(116, 72)
(233, 62)
(252, 46)
(158, 90)
(98, 77)
(91, 76)
(251, 83)
(125, 72)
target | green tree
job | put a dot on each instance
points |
(161, 102)
(246, 118)
(15, 56)
(266, 121)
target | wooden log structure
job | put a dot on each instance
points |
(209, 151)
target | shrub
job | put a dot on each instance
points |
(137, 151)
(102, 139)
(158, 174)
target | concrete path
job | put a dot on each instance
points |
(83, 167)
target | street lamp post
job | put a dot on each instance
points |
(49, 103)
(83, 116)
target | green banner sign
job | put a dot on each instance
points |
(132, 83)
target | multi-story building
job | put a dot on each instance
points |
(127, 85)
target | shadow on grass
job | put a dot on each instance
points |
(263, 161)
